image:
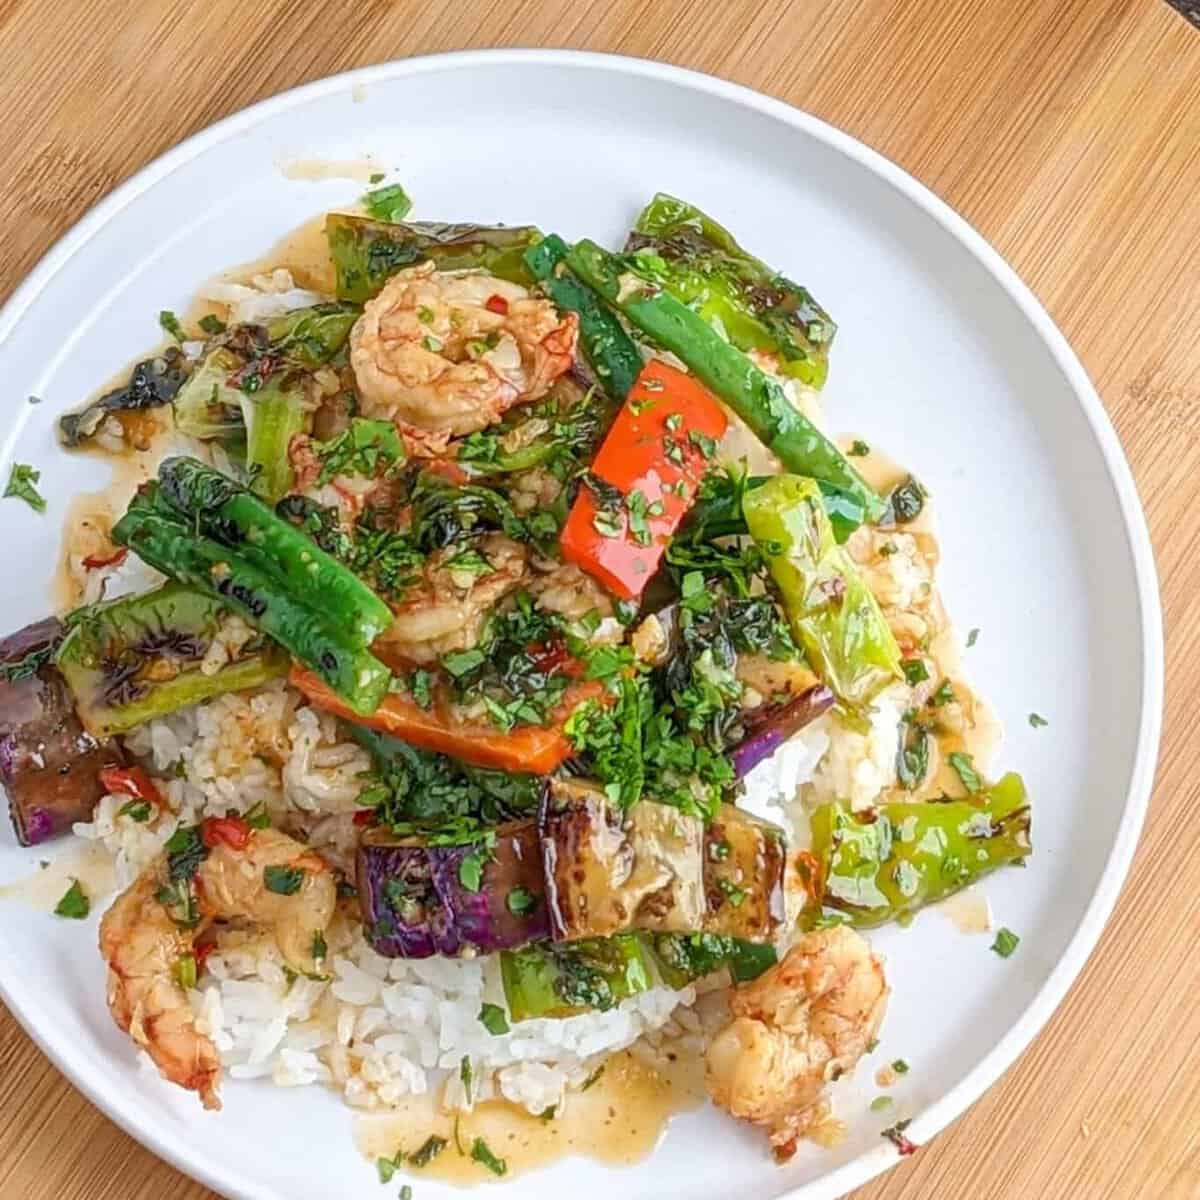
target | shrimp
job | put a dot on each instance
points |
(450, 352)
(143, 944)
(447, 610)
(801, 1024)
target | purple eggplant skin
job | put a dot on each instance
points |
(511, 877)
(744, 862)
(777, 725)
(49, 764)
(416, 899)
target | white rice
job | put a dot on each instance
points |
(271, 295)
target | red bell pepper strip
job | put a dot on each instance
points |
(654, 457)
(537, 749)
(130, 781)
(233, 832)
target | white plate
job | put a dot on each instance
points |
(943, 358)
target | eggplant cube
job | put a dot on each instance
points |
(743, 876)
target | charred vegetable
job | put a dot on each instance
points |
(152, 384)
(643, 480)
(222, 509)
(699, 263)
(311, 336)
(832, 611)
(208, 406)
(564, 980)
(426, 895)
(756, 397)
(744, 860)
(274, 414)
(317, 636)
(608, 870)
(869, 871)
(684, 957)
(139, 657)
(367, 253)
(50, 766)
(769, 726)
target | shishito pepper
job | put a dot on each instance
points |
(832, 612)
(756, 397)
(755, 306)
(684, 957)
(868, 871)
(562, 980)
(644, 479)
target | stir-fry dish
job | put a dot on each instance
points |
(501, 669)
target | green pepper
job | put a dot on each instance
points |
(684, 957)
(274, 414)
(367, 253)
(312, 336)
(908, 855)
(314, 636)
(832, 612)
(563, 979)
(208, 405)
(755, 396)
(615, 359)
(130, 660)
(223, 509)
(757, 308)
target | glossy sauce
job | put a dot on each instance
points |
(88, 862)
(314, 170)
(618, 1120)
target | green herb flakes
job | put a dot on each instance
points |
(858, 449)
(386, 1168)
(964, 768)
(74, 904)
(170, 324)
(944, 694)
(135, 810)
(900, 1067)
(283, 881)
(21, 479)
(464, 1076)
(1037, 721)
(521, 902)
(881, 1103)
(212, 325)
(481, 1153)
(493, 1019)
(420, 685)
(915, 671)
(1006, 942)
(389, 203)
(972, 638)
(427, 1151)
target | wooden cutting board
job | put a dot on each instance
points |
(1068, 132)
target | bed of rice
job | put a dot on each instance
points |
(380, 1029)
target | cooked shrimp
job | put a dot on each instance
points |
(143, 945)
(446, 611)
(450, 352)
(800, 1025)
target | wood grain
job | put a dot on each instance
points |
(1068, 132)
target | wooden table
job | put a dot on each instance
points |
(1068, 132)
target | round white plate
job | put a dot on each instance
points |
(943, 358)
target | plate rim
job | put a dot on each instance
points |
(952, 1104)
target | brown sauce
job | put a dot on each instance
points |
(618, 1120)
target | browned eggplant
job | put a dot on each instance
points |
(49, 764)
(743, 876)
(608, 871)
(420, 898)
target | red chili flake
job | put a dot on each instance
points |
(895, 1135)
(200, 952)
(364, 816)
(549, 656)
(130, 781)
(497, 304)
(94, 562)
(234, 832)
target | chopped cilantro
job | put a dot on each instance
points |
(1006, 942)
(607, 523)
(470, 871)
(361, 450)
(964, 767)
(212, 325)
(406, 1192)
(74, 904)
(915, 671)
(900, 1067)
(881, 1103)
(429, 1149)
(1037, 721)
(283, 881)
(420, 684)
(481, 1153)
(858, 449)
(521, 902)
(389, 203)
(462, 662)
(170, 323)
(944, 695)
(21, 479)
(734, 894)
(972, 637)
(706, 445)
(464, 1075)
(135, 810)
(386, 1168)
(493, 1019)
(637, 507)
(258, 817)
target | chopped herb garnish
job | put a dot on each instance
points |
(406, 1192)
(21, 479)
(462, 662)
(386, 1168)
(319, 946)
(389, 203)
(481, 1153)
(900, 1067)
(734, 894)
(74, 904)
(637, 507)
(881, 1103)
(170, 323)
(944, 694)
(135, 810)
(493, 1019)
(185, 970)
(212, 325)
(872, 1045)
(964, 767)
(35, 399)
(972, 638)
(470, 871)
(1037, 721)
(185, 852)
(429, 1149)
(420, 684)
(283, 881)
(361, 450)
(673, 421)
(464, 1075)
(521, 902)
(1006, 942)
(706, 445)
(915, 671)
(258, 817)
(859, 448)
(607, 523)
